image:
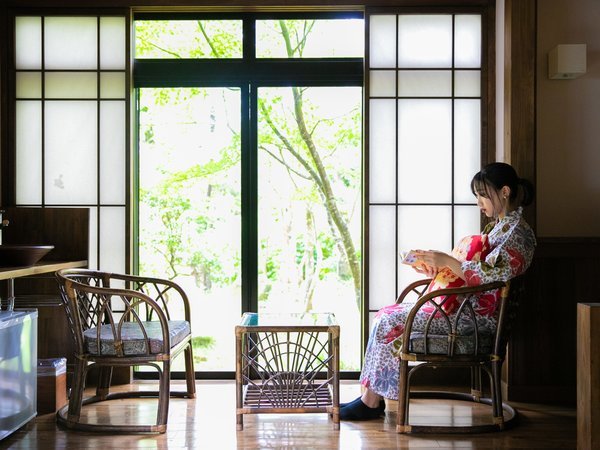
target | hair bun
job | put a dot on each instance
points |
(527, 191)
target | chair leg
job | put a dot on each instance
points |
(476, 383)
(497, 391)
(163, 393)
(190, 376)
(76, 397)
(402, 425)
(104, 379)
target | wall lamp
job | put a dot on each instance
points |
(567, 61)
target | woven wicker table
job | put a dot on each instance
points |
(287, 363)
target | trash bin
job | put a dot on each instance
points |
(51, 385)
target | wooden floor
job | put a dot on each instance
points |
(208, 422)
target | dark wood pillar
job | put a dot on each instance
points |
(519, 141)
(519, 90)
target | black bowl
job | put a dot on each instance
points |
(22, 255)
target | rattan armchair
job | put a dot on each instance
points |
(481, 351)
(124, 321)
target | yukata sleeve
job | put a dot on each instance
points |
(511, 257)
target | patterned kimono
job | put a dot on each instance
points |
(512, 245)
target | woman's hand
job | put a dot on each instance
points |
(436, 261)
(424, 269)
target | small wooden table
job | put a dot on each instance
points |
(287, 363)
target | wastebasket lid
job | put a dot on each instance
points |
(52, 362)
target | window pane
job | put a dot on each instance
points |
(28, 42)
(467, 83)
(424, 157)
(467, 147)
(112, 152)
(424, 83)
(112, 85)
(189, 207)
(29, 152)
(382, 256)
(71, 43)
(382, 41)
(382, 83)
(29, 85)
(112, 239)
(170, 39)
(93, 258)
(71, 153)
(382, 151)
(467, 41)
(425, 41)
(310, 38)
(112, 43)
(467, 221)
(71, 85)
(425, 227)
(309, 220)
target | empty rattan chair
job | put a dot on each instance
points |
(481, 351)
(123, 321)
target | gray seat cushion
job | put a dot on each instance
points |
(438, 344)
(133, 338)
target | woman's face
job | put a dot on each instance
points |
(486, 206)
(492, 202)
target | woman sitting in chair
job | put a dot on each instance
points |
(510, 245)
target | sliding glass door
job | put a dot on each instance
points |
(249, 171)
(189, 207)
(309, 205)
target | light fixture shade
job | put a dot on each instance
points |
(567, 61)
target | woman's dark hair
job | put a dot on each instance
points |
(495, 176)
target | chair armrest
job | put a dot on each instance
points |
(159, 290)
(413, 288)
(438, 309)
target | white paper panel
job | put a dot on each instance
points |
(424, 83)
(371, 319)
(112, 43)
(382, 83)
(71, 85)
(112, 239)
(467, 41)
(93, 261)
(424, 41)
(382, 257)
(112, 152)
(71, 154)
(382, 151)
(29, 152)
(112, 85)
(71, 42)
(466, 222)
(467, 83)
(29, 85)
(467, 147)
(424, 151)
(422, 227)
(28, 42)
(382, 41)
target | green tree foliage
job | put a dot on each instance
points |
(299, 138)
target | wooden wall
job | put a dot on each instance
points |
(542, 357)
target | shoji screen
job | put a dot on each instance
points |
(424, 139)
(71, 123)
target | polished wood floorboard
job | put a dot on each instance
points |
(208, 422)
